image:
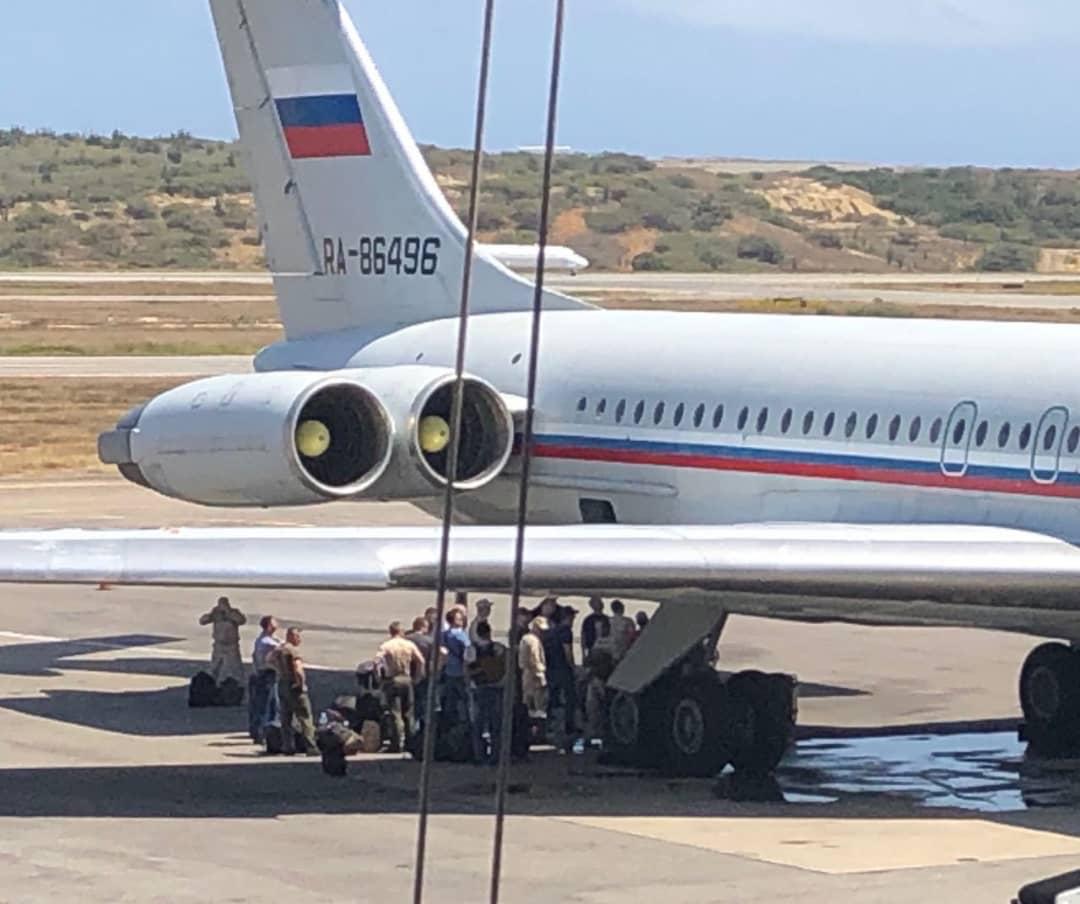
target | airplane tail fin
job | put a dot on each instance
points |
(358, 234)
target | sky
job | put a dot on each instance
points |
(991, 82)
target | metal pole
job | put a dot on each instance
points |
(430, 725)
(510, 683)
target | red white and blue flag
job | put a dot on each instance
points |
(323, 125)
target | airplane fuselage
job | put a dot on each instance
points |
(653, 417)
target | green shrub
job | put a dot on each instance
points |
(650, 262)
(34, 218)
(827, 239)
(1008, 258)
(759, 248)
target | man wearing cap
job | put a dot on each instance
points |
(482, 617)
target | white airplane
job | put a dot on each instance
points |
(524, 257)
(892, 472)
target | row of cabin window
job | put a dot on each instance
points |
(697, 417)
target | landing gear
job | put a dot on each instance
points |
(1050, 699)
(669, 708)
(697, 725)
(766, 709)
(697, 740)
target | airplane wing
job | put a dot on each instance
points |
(879, 574)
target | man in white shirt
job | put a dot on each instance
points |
(262, 688)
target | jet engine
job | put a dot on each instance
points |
(421, 401)
(296, 438)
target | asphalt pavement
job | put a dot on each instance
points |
(909, 784)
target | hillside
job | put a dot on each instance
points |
(71, 201)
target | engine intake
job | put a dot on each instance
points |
(487, 434)
(341, 438)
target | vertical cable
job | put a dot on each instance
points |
(430, 721)
(509, 684)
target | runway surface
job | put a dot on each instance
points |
(965, 289)
(112, 789)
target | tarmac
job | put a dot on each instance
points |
(908, 783)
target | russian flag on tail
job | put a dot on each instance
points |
(323, 125)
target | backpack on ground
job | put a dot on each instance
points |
(202, 691)
(229, 693)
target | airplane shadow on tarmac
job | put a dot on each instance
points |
(861, 777)
(548, 786)
(155, 713)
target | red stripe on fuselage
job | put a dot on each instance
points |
(348, 140)
(856, 473)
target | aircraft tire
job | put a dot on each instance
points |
(630, 729)
(696, 738)
(763, 713)
(1050, 699)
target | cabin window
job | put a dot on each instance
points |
(639, 412)
(620, 411)
(935, 430)
(658, 414)
(582, 404)
(894, 428)
(785, 421)
(915, 429)
(982, 433)
(601, 407)
(830, 422)
(1025, 436)
(744, 416)
(680, 410)
(1003, 435)
(762, 420)
(808, 423)
(699, 415)
(959, 431)
(1074, 439)
(1049, 437)
(852, 423)
(871, 426)
(718, 417)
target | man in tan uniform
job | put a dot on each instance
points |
(225, 660)
(403, 667)
(534, 668)
(296, 715)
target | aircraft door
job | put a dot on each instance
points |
(956, 443)
(1046, 450)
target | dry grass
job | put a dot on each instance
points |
(1062, 287)
(52, 424)
(82, 327)
(241, 324)
(928, 311)
(150, 287)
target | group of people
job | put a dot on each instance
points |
(561, 696)
(277, 687)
